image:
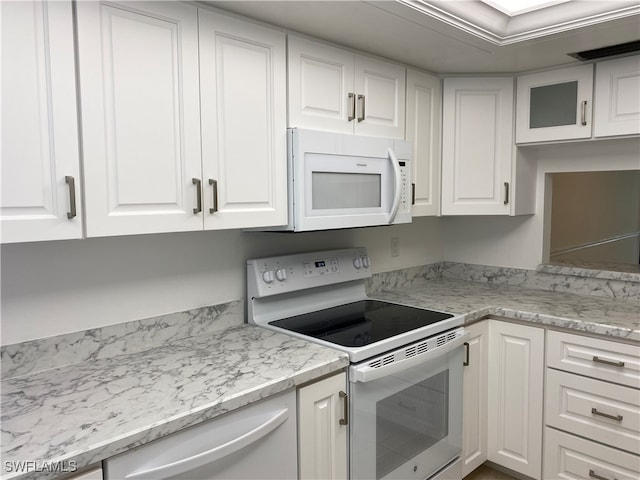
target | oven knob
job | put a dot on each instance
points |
(268, 276)
(357, 262)
(281, 274)
(365, 262)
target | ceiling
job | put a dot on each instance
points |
(454, 36)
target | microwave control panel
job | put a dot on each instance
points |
(405, 195)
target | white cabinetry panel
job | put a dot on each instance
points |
(336, 90)
(574, 458)
(554, 105)
(477, 148)
(138, 65)
(594, 409)
(322, 440)
(243, 83)
(474, 398)
(610, 361)
(39, 124)
(320, 79)
(423, 123)
(516, 371)
(617, 97)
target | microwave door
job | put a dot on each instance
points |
(341, 191)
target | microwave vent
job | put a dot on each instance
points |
(611, 50)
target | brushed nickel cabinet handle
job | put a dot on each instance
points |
(583, 113)
(506, 193)
(362, 114)
(593, 474)
(214, 184)
(71, 182)
(345, 401)
(617, 418)
(613, 363)
(198, 183)
(352, 105)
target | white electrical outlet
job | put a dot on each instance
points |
(395, 247)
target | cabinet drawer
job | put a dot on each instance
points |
(593, 357)
(594, 409)
(570, 457)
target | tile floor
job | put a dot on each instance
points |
(486, 473)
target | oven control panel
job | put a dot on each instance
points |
(290, 273)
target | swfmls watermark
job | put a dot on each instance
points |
(34, 466)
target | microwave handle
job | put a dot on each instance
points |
(397, 185)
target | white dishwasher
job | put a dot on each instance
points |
(254, 442)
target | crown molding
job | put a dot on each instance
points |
(498, 28)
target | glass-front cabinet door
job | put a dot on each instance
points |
(554, 105)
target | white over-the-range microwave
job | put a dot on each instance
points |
(345, 181)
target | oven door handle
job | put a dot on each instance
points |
(397, 185)
(363, 373)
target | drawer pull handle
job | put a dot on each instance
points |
(465, 362)
(617, 418)
(593, 474)
(608, 362)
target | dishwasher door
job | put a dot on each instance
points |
(254, 442)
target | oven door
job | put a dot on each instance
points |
(407, 410)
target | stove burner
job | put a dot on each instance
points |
(360, 323)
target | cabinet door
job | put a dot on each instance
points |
(320, 85)
(39, 124)
(617, 97)
(322, 440)
(424, 94)
(94, 474)
(554, 105)
(474, 398)
(514, 420)
(380, 101)
(138, 65)
(243, 85)
(477, 145)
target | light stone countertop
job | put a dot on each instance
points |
(615, 318)
(101, 407)
(87, 412)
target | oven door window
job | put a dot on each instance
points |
(408, 424)
(411, 421)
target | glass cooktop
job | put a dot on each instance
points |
(360, 323)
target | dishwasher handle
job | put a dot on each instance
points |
(209, 456)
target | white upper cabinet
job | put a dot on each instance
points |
(139, 90)
(617, 97)
(243, 95)
(477, 146)
(424, 122)
(554, 105)
(336, 90)
(41, 198)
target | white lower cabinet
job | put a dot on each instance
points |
(475, 387)
(322, 429)
(573, 458)
(516, 375)
(592, 409)
(93, 474)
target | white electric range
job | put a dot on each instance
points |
(405, 378)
